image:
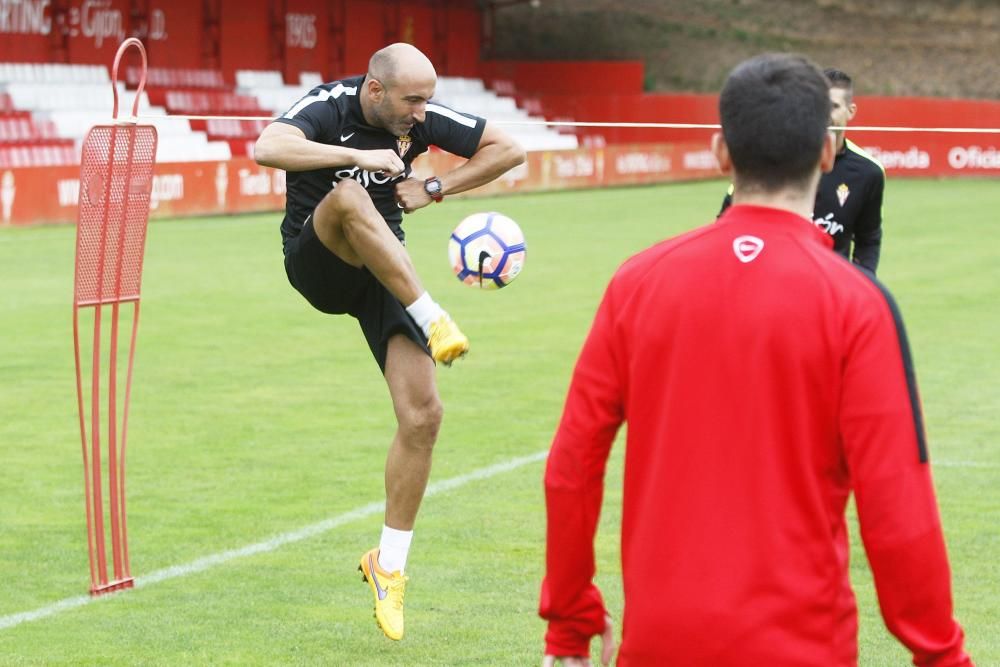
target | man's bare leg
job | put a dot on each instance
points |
(350, 226)
(347, 223)
(409, 373)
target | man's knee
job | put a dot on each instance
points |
(335, 215)
(346, 198)
(422, 420)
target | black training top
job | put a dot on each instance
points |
(849, 205)
(331, 114)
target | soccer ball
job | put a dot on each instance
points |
(487, 250)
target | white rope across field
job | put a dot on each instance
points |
(573, 123)
(716, 126)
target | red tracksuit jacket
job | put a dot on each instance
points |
(763, 379)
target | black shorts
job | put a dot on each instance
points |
(333, 286)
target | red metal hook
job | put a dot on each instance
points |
(131, 41)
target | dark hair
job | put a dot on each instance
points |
(775, 110)
(840, 79)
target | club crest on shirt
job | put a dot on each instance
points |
(843, 192)
(403, 144)
(746, 248)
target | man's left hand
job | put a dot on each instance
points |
(410, 195)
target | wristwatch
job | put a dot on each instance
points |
(432, 186)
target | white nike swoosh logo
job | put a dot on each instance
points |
(345, 137)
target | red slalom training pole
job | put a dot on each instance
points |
(116, 180)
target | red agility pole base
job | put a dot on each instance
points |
(116, 177)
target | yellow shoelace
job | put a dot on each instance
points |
(394, 590)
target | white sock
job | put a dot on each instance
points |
(424, 311)
(393, 549)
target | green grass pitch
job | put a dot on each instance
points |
(253, 417)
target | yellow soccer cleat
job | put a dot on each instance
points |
(447, 343)
(388, 590)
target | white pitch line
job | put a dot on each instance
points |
(961, 464)
(276, 542)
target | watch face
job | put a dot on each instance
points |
(433, 186)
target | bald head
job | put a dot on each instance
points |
(401, 64)
(399, 83)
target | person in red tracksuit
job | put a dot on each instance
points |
(763, 378)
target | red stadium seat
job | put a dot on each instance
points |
(241, 147)
(23, 130)
(168, 77)
(230, 128)
(200, 103)
(57, 153)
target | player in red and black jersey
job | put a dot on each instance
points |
(763, 380)
(849, 197)
(348, 147)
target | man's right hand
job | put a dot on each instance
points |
(608, 647)
(284, 146)
(384, 160)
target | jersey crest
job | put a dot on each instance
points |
(403, 144)
(843, 192)
(746, 248)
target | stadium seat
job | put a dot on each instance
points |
(459, 85)
(51, 155)
(246, 79)
(26, 130)
(310, 79)
(53, 73)
(47, 109)
(270, 91)
(167, 77)
(241, 147)
(201, 103)
(471, 96)
(240, 134)
(193, 147)
(53, 96)
(230, 128)
(6, 104)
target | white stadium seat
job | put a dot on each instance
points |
(471, 96)
(193, 147)
(310, 79)
(52, 73)
(270, 89)
(246, 79)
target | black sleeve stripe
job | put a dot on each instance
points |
(911, 376)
